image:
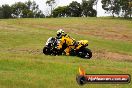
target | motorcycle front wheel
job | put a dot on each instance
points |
(85, 53)
(46, 51)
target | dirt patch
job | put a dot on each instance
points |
(111, 55)
(104, 33)
(112, 35)
(10, 28)
(97, 54)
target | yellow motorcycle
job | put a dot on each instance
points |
(77, 48)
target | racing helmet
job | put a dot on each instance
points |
(60, 32)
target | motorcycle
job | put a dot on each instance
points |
(79, 50)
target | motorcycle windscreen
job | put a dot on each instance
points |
(49, 41)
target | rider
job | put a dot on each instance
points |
(65, 39)
(61, 33)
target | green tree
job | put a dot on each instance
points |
(52, 4)
(112, 6)
(87, 8)
(60, 11)
(126, 8)
(1, 13)
(130, 7)
(6, 11)
(39, 14)
(33, 10)
(26, 10)
(19, 9)
(74, 9)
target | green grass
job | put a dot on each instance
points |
(22, 64)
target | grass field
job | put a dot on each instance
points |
(23, 65)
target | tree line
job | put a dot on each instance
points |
(74, 9)
(120, 8)
(29, 9)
